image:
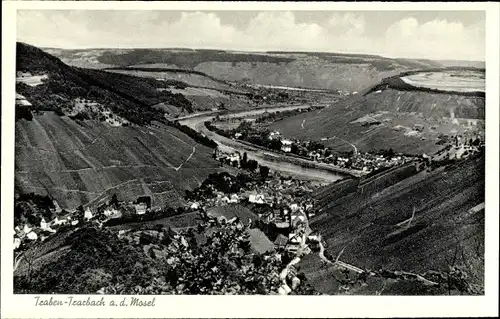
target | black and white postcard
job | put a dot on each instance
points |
(169, 159)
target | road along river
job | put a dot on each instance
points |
(288, 165)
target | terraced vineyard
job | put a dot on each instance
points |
(85, 162)
(421, 223)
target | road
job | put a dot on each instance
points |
(288, 165)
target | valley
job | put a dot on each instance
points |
(297, 172)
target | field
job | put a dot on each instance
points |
(376, 227)
(458, 81)
(85, 162)
(33, 80)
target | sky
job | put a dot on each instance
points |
(448, 35)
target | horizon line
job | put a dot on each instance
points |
(277, 51)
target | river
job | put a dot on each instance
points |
(273, 160)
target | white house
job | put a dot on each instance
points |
(256, 198)
(43, 224)
(140, 209)
(237, 135)
(195, 205)
(274, 135)
(17, 243)
(234, 198)
(74, 222)
(234, 157)
(88, 214)
(58, 221)
(286, 146)
(294, 238)
(32, 236)
(27, 229)
(314, 238)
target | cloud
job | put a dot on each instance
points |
(280, 30)
(198, 28)
(268, 30)
(346, 24)
(438, 39)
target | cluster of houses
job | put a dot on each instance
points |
(346, 93)
(96, 110)
(369, 162)
(30, 233)
(233, 159)
(460, 148)
(289, 215)
(366, 162)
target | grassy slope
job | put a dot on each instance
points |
(83, 162)
(401, 108)
(128, 96)
(365, 222)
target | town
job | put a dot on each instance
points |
(455, 147)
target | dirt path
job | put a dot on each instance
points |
(353, 146)
(189, 157)
(338, 262)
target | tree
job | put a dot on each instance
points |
(244, 160)
(80, 212)
(114, 200)
(252, 165)
(264, 172)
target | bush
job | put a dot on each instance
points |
(194, 134)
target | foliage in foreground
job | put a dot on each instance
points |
(221, 263)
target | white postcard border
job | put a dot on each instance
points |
(22, 306)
